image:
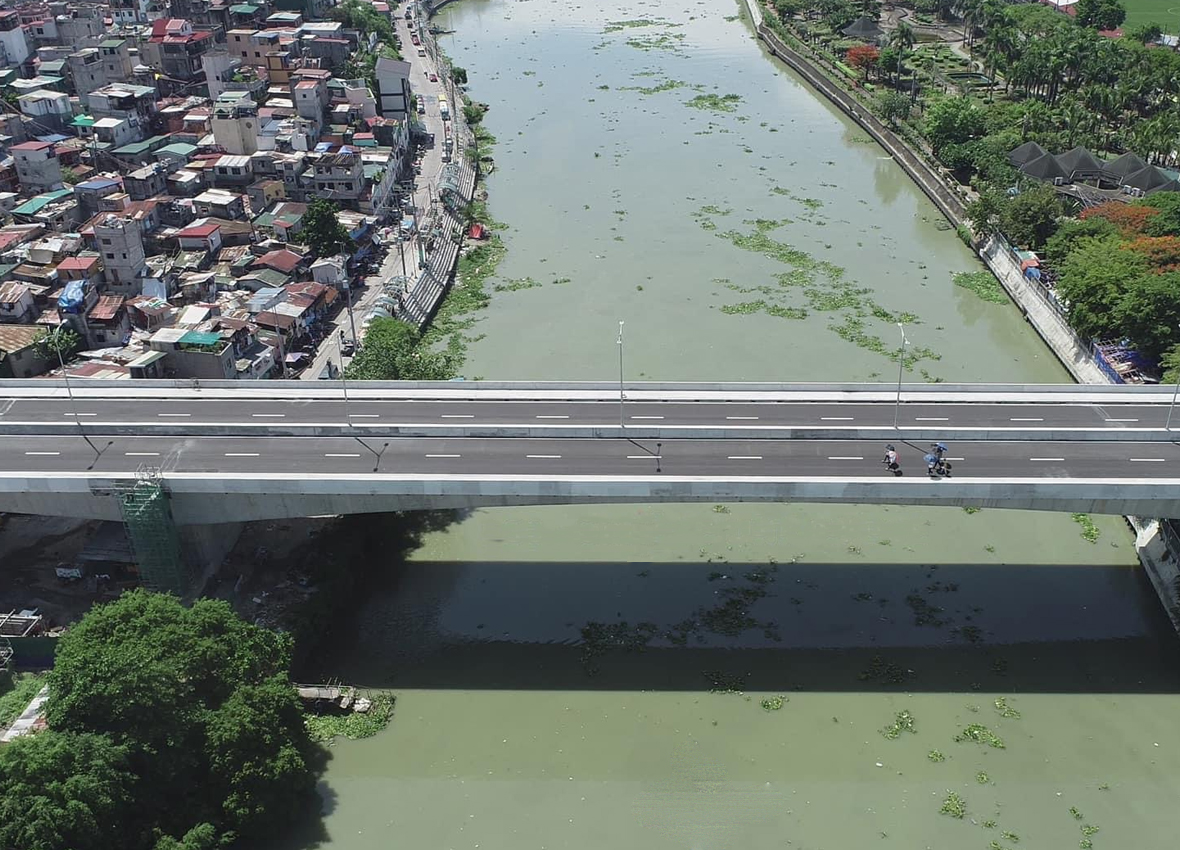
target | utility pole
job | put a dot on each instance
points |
(900, 369)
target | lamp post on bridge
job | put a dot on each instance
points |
(1172, 406)
(900, 370)
(619, 341)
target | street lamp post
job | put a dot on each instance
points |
(619, 341)
(344, 380)
(70, 391)
(1172, 406)
(900, 370)
(351, 317)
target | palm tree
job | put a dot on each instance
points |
(972, 11)
(902, 38)
(1076, 119)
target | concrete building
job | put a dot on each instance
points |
(235, 123)
(220, 203)
(134, 104)
(16, 303)
(311, 99)
(393, 88)
(340, 176)
(147, 182)
(233, 171)
(15, 45)
(37, 166)
(50, 109)
(108, 322)
(179, 50)
(95, 67)
(121, 244)
(20, 356)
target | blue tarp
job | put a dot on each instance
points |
(71, 300)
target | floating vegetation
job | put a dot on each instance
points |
(989, 824)
(936, 756)
(517, 284)
(720, 509)
(747, 307)
(1090, 532)
(903, 721)
(725, 683)
(1076, 814)
(467, 296)
(716, 102)
(616, 26)
(954, 805)
(925, 614)
(600, 638)
(982, 778)
(1010, 836)
(971, 634)
(1006, 710)
(1086, 844)
(983, 284)
(323, 728)
(980, 734)
(969, 509)
(883, 672)
(773, 703)
(666, 85)
(1088, 830)
(663, 41)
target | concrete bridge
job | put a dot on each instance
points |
(247, 451)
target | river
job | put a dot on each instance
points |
(759, 675)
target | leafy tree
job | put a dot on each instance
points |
(788, 9)
(1166, 221)
(890, 61)
(1144, 33)
(203, 836)
(323, 231)
(953, 120)
(64, 790)
(1149, 312)
(1031, 217)
(170, 684)
(1101, 14)
(362, 17)
(459, 75)
(392, 351)
(893, 106)
(1170, 364)
(1070, 233)
(984, 211)
(61, 342)
(1093, 279)
(69, 176)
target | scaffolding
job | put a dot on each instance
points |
(152, 533)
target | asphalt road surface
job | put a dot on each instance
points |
(595, 457)
(370, 413)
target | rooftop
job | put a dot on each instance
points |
(18, 337)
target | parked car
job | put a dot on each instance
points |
(421, 107)
(433, 77)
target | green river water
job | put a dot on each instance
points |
(736, 245)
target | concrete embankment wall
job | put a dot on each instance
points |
(1157, 545)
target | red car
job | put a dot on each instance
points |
(434, 78)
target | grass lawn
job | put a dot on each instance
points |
(1154, 11)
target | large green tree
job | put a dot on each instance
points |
(1031, 217)
(66, 790)
(1094, 279)
(1101, 14)
(393, 351)
(201, 703)
(953, 120)
(322, 230)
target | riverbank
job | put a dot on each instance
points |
(1151, 544)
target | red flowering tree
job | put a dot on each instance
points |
(1162, 252)
(1130, 219)
(863, 57)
